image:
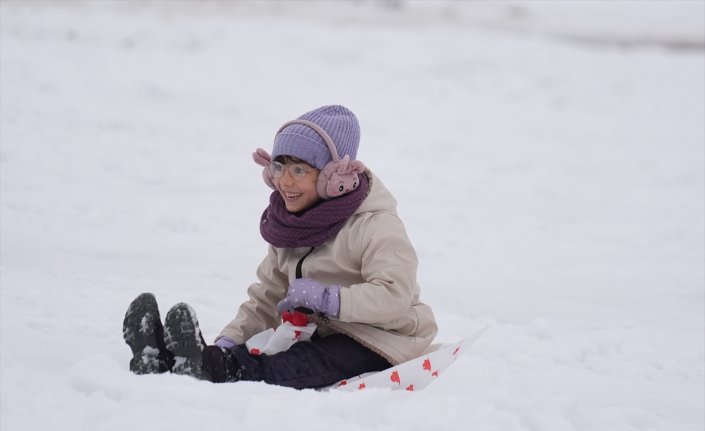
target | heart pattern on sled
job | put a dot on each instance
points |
(415, 374)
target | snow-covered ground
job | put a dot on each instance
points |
(548, 159)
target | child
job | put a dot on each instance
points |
(337, 250)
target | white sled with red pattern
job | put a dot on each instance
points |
(415, 374)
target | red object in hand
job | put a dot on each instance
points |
(296, 318)
(287, 316)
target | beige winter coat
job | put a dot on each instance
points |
(373, 261)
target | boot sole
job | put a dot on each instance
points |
(184, 339)
(142, 330)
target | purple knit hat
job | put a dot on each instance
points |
(303, 142)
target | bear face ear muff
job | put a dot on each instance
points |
(338, 177)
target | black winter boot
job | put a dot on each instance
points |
(184, 339)
(143, 331)
(220, 365)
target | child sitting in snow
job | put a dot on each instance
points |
(337, 250)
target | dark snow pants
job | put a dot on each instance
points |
(320, 362)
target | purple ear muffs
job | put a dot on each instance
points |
(339, 176)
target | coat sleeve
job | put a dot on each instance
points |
(259, 312)
(388, 266)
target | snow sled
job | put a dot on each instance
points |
(415, 374)
(411, 375)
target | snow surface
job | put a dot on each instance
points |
(548, 159)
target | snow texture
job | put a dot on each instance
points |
(548, 158)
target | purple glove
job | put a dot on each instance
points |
(307, 293)
(225, 343)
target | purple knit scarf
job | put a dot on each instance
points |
(312, 227)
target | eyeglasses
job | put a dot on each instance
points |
(298, 171)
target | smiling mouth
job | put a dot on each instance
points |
(292, 196)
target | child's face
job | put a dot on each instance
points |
(296, 182)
